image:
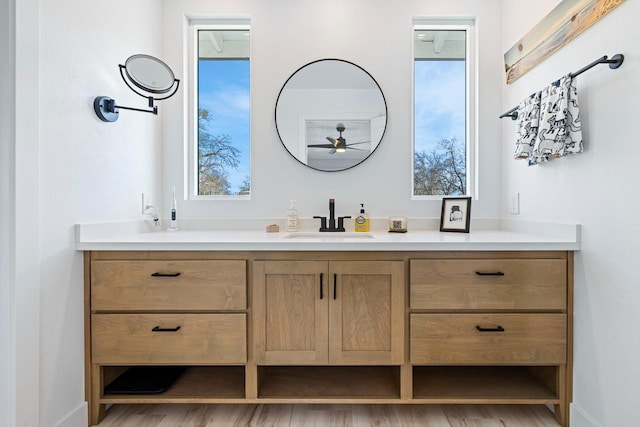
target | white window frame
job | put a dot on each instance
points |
(471, 71)
(191, 146)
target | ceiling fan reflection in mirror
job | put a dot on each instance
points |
(339, 144)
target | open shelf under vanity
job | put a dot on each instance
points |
(485, 384)
(329, 383)
(198, 384)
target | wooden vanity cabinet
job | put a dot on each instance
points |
(159, 309)
(492, 328)
(473, 327)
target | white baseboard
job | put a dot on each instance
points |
(77, 418)
(579, 418)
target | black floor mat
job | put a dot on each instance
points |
(145, 380)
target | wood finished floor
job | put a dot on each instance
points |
(164, 415)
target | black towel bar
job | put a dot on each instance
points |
(615, 62)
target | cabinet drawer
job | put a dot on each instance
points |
(168, 285)
(456, 339)
(182, 339)
(488, 284)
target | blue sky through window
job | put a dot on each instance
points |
(223, 90)
(440, 87)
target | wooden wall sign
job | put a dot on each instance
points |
(559, 27)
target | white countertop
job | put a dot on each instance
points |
(509, 235)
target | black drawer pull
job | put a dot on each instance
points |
(165, 274)
(321, 286)
(159, 329)
(498, 329)
(335, 290)
(489, 273)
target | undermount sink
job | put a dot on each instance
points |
(328, 235)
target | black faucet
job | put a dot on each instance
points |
(332, 219)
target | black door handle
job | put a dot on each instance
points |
(321, 286)
(159, 329)
(489, 273)
(335, 290)
(498, 329)
(165, 274)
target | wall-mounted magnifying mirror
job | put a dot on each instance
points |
(331, 115)
(146, 73)
(149, 73)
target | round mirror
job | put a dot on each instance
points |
(149, 74)
(331, 115)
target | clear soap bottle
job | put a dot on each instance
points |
(361, 223)
(293, 222)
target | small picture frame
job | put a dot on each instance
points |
(456, 214)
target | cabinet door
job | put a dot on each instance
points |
(366, 312)
(290, 312)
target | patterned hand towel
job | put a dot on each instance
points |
(528, 121)
(559, 131)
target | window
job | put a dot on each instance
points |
(221, 143)
(442, 146)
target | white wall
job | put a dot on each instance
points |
(598, 189)
(72, 168)
(7, 328)
(375, 35)
(85, 170)
(25, 186)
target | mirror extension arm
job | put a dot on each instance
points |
(106, 108)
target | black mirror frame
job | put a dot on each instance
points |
(386, 112)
